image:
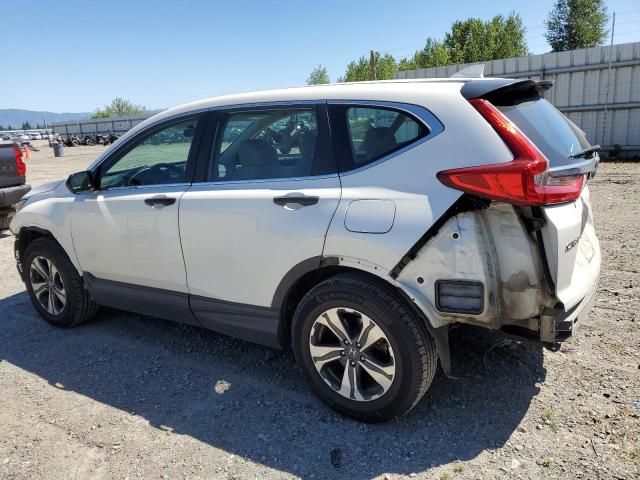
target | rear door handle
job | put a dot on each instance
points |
(304, 200)
(161, 201)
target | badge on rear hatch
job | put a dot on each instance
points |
(571, 244)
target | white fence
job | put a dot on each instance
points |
(606, 107)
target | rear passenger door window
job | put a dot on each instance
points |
(269, 143)
(364, 134)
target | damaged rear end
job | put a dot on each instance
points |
(518, 250)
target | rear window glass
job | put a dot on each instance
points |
(554, 134)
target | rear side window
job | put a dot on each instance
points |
(364, 134)
(554, 134)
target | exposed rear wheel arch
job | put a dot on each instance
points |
(307, 281)
(298, 289)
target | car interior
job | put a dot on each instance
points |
(261, 145)
(140, 166)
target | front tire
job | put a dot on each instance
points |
(54, 285)
(362, 351)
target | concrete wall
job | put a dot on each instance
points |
(581, 82)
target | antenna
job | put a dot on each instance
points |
(606, 102)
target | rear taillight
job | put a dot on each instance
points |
(21, 167)
(526, 180)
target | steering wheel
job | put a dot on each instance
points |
(159, 169)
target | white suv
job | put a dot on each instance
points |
(353, 222)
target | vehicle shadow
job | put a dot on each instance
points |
(250, 401)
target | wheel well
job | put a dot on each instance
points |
(303, 285)
(24, 238)
(28, 235)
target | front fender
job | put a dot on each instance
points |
(48, 213)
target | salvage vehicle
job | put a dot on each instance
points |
(455, 201)
(13, 172)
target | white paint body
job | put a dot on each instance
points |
(229, 241)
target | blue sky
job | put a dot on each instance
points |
(75, 56)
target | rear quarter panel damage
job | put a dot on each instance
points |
(491, 246)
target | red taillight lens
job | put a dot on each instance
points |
(21, 167)
(525, 180)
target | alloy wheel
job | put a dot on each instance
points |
(352, 354)
(47, 285)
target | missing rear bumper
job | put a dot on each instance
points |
(555, 325)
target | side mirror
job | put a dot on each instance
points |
(80, 182)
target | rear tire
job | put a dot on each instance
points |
(54, 286)
(371, 382)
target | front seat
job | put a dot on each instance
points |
(257, 159)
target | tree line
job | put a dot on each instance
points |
(25, 126)
(569, 25)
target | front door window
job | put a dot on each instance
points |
(160, 158)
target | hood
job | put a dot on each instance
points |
(43, 188)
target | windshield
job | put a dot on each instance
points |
(554, 134)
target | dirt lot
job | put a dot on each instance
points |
(131, 397)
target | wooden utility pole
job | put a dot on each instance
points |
(606, 102)
(372, 63)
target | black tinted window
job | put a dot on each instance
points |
(554, 134)
(263, 144)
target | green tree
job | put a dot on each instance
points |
(360, 71)
(433, 54)
(575, 24)
(26, 126)
(318, 76)
(473, 40)
(119, 107)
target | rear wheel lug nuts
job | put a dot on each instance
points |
(342, 353)
(353, 364)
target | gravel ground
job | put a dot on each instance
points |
(134, 397)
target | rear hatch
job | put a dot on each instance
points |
(548, 178)
(570, 244)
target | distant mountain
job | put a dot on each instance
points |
(16, 117)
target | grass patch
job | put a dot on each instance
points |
(549, 418)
